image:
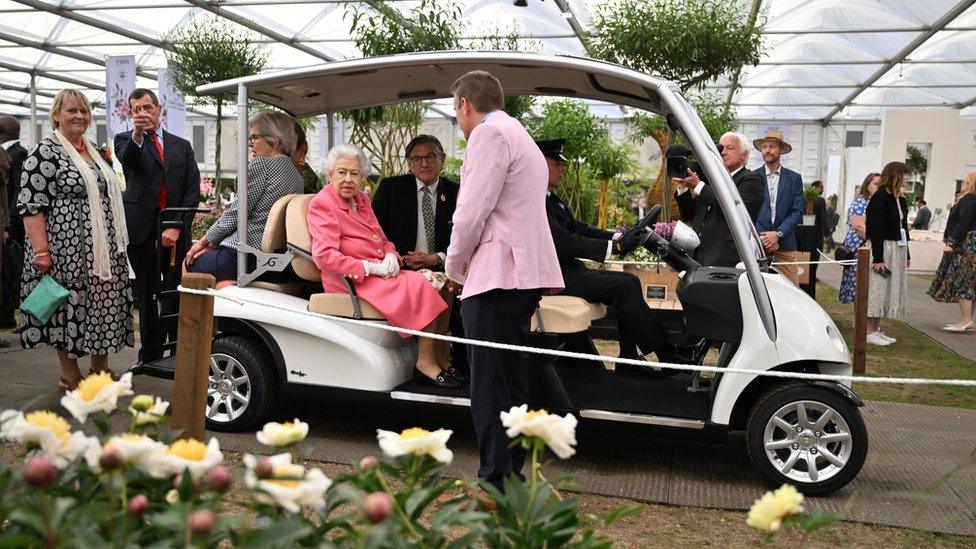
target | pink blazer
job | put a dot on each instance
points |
(342, 238)
(501, 237)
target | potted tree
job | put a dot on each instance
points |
(810, 193)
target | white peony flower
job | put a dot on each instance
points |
(767, 513)
(182, 455)
(277, 435)
(47, 433)
(559, 433)
(151, 415)
(96, 393)
(416, 441)
(290, 487)
(133, 449)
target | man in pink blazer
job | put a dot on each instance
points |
(501, 259)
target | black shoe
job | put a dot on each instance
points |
(4, 344)
(691, 354)
(457, 374)
(443, 380)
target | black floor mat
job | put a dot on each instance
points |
(600, 389)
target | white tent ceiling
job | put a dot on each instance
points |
(824, 59)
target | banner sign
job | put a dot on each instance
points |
(120, 80)
(173, 117)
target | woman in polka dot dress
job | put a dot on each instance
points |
(71, 205)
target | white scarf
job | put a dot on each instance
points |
(102, 266)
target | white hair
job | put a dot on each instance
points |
(346, 150)
(743, 142)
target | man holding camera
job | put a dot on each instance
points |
(699, 205)
(782, 207)
(637, 326)
(160, 172)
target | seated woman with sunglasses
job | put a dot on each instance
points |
(271, 174)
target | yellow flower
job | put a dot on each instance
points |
(57, 425)
(47, 432)
(283, 434)
(189, 449)
(768, 512)
(147, 411)
(184, 455)
(559, 433)
(291, 486)
(416, 441)
(96, 393)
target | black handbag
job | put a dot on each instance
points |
(842, 254)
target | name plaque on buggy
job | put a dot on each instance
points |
(654, 291)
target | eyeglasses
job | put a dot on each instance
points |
(254, 137)
(427, 158)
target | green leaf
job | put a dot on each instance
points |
(622, 512)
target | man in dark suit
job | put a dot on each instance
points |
(923, 217)
(13, 237)
(699, 205)
(782, 206)
(160, 172)
(415, 211)
(638, 327)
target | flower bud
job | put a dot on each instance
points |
(110, 458)
(142, 403)
(377, 506)
(201, 522)
(138, 505)
(172, 497)
(264, 469)
(219, 479)
(368, 463)
(39, 471)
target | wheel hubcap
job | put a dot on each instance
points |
(807, 441)
(229, 389)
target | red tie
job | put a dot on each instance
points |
(161, 199)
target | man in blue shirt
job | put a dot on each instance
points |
(782, 207)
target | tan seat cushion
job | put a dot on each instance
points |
(563, 314)
(340, 304)
(273, 238)
(296, 231)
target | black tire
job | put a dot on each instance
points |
(241, 358)
(836, 461)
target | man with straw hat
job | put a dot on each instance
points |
(782, 207)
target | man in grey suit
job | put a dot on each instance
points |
(160, 172)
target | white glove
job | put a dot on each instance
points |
(392, 264)
(374, 268)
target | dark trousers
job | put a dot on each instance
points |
(637, 325)
(499, 379)
(153, 275)
(11, 271)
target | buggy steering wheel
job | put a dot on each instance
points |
(648, 220)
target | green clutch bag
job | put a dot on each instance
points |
(44, 299)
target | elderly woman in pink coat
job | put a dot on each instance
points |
(347, 240)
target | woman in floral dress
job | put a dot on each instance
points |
(855, 234)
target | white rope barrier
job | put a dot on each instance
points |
(585, 356)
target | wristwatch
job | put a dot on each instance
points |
(779, 234)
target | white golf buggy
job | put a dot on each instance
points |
(810, 434)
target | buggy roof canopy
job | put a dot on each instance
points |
(359, 83)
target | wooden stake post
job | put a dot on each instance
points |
(861, 309)
(193, 357)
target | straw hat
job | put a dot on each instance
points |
(773, 135)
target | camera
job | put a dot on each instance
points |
(680, 158)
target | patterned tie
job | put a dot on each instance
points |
(161, 198)
(427, 206)
(773, 193)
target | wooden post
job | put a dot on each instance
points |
(861, 308)
(193, 357)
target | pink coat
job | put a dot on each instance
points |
(342, 238)
(501, 237)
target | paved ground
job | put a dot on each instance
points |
(903, 483)
(923, 313)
